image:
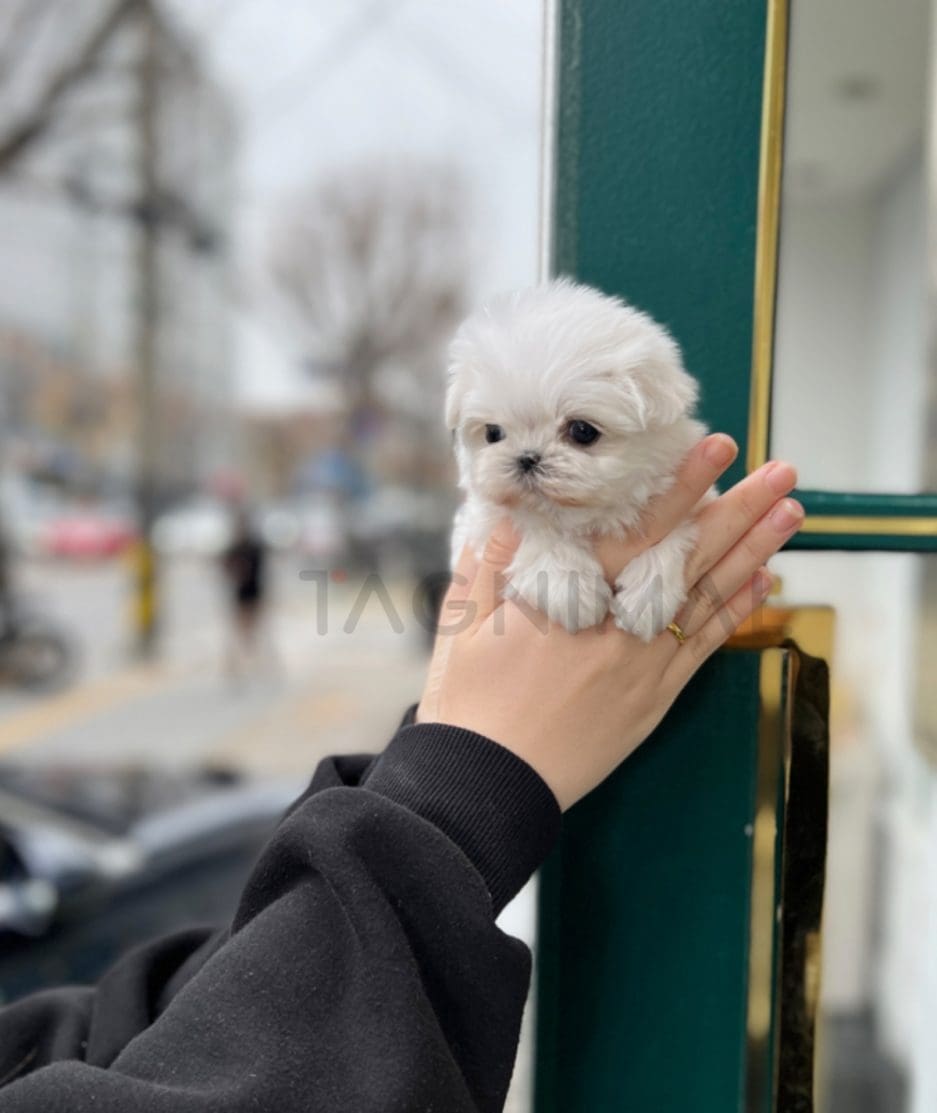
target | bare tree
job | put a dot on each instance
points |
(67, 71)
(60, 69)
(372, 263)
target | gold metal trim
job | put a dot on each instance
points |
(812, 629)
(767, 253)
(763, 954)
(882, 525)
(770, 163)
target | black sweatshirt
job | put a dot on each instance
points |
(363, 970)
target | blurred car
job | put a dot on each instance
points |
(311, 526)
(202, 527)
(94, 862)
(88, 533)
(280, 526)
(397, 528)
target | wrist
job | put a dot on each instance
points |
(489, 801)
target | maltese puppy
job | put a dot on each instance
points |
(570, 411)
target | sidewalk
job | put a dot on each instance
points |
(322, 688)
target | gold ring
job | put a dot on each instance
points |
(677, 632)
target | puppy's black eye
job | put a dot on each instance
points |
(494, 433)
(581, 432)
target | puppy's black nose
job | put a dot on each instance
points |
(528, 461)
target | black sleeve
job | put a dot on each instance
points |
(363, 971)
(95, 1025)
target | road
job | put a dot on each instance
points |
(320, 686)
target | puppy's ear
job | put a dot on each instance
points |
(461, 358)
(455, 396)
(657, 386)
(664, 394)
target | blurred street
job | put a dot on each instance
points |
(312, 693)
(228, 294)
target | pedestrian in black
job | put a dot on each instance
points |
(245, 568)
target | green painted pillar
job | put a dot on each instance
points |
(643, 964)
(658, 128)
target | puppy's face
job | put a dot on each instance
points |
(561, 397)
(532, 455)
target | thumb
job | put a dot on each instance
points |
(486, 591)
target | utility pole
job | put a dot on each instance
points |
(146, 578)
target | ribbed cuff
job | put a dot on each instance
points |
(490, 802)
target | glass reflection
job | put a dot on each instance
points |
(852, 365)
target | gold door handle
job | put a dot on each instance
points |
(789, 854)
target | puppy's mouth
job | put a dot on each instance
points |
(532, 489)
(534, 486)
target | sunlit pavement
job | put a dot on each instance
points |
(317, 686)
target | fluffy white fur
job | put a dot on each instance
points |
(531, 363)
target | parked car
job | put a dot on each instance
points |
(400, 529)
(202, 527)
(88, 533)
(92, 863)
(311, 526)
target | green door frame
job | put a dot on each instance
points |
(667, 155)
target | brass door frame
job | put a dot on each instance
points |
(779, 977)
(919, 530)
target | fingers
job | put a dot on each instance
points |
(724, 522)
(737, 567)
(454, 614)
(699, 471)
(463, 576)
(457, 613)
(719, 627)
(703, 465)
(485, 592)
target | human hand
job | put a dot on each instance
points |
(574, 706)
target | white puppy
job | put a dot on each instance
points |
(570, 411)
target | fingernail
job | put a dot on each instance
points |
(720, 450)
(787, 515)
(764, 582)
(780, 477)
(505, 534)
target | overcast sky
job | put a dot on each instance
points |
(314, 85)
(317, 84)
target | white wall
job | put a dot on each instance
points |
(821, 395)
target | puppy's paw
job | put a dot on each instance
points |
(650, 591)
(570, 591)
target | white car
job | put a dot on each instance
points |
(200, 528)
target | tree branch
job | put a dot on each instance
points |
(32, 126)
(372, 265)
(21, 26)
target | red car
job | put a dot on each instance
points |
(88, 535)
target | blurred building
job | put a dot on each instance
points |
(139, 146)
